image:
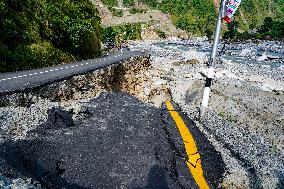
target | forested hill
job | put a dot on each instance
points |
(253, 12)
(39, 33)
(198, 16)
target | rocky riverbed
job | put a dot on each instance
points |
(245, 116)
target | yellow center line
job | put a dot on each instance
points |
(194, 159)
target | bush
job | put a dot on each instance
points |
(269, 29)
(122, 32)
(137, 10)
(110, 3)
(129, 3)
(277, 30)
(272, 28)
(151, 3)
(78, 26)
(109, 34)
(116, 12)
(195, 16)
(267, 25)
(201, 14)
(34, 56)
(183, 23)
(129, 31)
(232, 32)
(161, 34)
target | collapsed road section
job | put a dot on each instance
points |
(122, 142)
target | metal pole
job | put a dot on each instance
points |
(212, 60)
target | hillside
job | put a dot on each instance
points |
(198, 16)
(253, 12)
(40, 33)
(123, 14)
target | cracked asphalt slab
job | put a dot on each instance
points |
(212, 163)
(121, 143)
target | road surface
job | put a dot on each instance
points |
(33, 78)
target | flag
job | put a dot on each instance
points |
(230, 9)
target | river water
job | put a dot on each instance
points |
(232, 53)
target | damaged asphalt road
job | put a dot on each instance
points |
(122, 143)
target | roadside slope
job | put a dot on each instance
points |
(155, 18)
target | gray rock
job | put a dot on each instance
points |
(245, 52)
(262, 58)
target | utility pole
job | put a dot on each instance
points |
(212, 59)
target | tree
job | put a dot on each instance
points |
(109, 34)
(232, 32)
(267, 25)
(183, 23)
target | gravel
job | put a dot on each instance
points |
(244, 120)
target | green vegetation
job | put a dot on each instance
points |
(195, 16)
(135, 10)
(38, 33)
(269, 29)
(274, 29)
(273, 150)
(129, 3)
(151, 3)
(198, 16)
(161, 34)
(232, 32)
(222, 114)
(253, 12)
(116, 12)
(113, 3)
(110, 3)
(117, 34)
(232, 119)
